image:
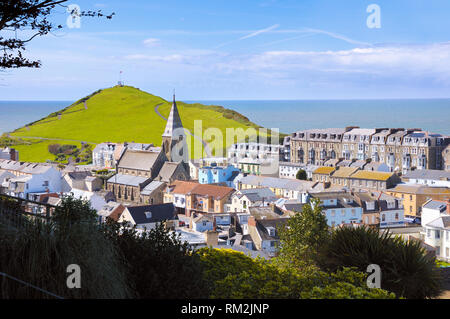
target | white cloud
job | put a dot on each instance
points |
(151, 42)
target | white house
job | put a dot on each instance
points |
(242, 200)
(428, 177)
(202, 223)
(31, 178)
(436, 223)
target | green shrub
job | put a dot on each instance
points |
(406, 268)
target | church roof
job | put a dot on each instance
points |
(174, 121)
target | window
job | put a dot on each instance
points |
(437, 235)
(396, 216)
(383, 217)
(428, 233)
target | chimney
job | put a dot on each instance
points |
(12, 154)
(252, 221)
(212, 238)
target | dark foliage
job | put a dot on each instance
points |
(406, 268)
(28, 15)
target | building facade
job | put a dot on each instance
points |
(401, 150)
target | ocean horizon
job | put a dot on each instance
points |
(286, 115)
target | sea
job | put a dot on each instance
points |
(286, 115)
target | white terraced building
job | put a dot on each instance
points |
(254, 151)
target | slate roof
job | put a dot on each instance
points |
(438, 205)
(139, 160)
(420, 189)
(428, 174)
(154, 185)
(167, 171)
(280, 183)
(159, 213)
(257, 194)
(127, 179)
(262, 224)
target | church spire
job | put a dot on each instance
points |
(174, 139)
(174, 120)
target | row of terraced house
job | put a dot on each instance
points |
(402, 150)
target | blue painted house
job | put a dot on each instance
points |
(215, 174)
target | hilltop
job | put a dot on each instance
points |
(118, 114)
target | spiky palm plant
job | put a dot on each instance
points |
(406, 268)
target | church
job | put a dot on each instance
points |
(141, 175)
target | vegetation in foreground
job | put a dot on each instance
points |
(119, 263)
(406, 269)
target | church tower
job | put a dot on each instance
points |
(174, 139)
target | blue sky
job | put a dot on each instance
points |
(266, 49)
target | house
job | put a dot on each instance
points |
(415, 196)
(176, 193)
(203, 223)
(193, 169)
(380, 209)
(265, 233)
(81, 180)
(289, 170)
(340, 208)
(242, 200)
(281, 187)
(111, 210)
(207, 198)
(153, 193)
(256, 151)
(5, 176)
(428, 177)
(146, 217)
(341, 176)
(106, 155)
(372, 180)
(323, 174)
(30, 178)
(436, 223)
(9, 154)
(215, 174)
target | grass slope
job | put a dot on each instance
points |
(119, 114)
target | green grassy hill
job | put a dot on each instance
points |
(118, 114)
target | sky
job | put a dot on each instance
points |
(239, 50)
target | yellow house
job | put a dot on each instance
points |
(323, 174)
(414, 196)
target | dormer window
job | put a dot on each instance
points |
(148, 215)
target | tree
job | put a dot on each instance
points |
(159, 265)
(28, 15)
(406, 269)
(301, 175)
(233, 275)
(303, 236)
